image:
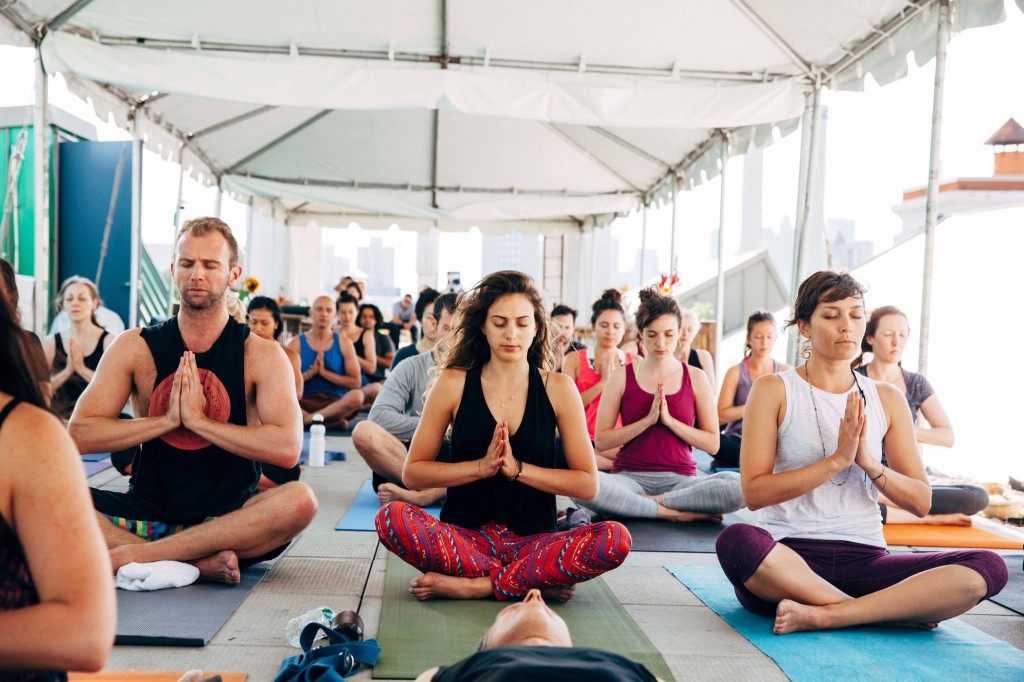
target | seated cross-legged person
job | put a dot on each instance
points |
(214, 402)
(371, 319)
(591, 369)
(497, 391)
(811, 461)
(330, 371)
(424, 304)
(264, 316)
(364, 345)
(757, 361)
(694, 357)
(529, 641)
(667, 408)
(55, 568)
(383, 439)
(885, 338)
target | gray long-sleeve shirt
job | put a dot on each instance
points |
(398, 407)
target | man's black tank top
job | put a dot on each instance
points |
(523, 509)
(182, 474)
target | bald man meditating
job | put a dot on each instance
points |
(330, 369)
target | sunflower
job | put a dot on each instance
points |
(251, 284)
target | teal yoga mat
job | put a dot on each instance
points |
(953, 651)
(95, 456)
(364, 508)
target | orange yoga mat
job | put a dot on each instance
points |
(147, 676)
(922, 535)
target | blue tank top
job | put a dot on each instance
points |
(333, 360)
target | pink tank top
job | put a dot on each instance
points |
(657, 448)
(585, 378)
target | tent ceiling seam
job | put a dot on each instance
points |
(626, 144)
(230, 121)
(590, 155)
(65, 16)
(427, 58)
(19, 22)
(235, 168)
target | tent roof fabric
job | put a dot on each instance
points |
(537, 116)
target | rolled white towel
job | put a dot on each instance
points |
(156, 575)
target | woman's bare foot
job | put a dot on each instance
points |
(948, 520)
(221, 567)
(791, 616)
(389, 492)
(561, 594)
(685, 516)
(438, 586)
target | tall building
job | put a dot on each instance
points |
(378, 262)
(513, 251)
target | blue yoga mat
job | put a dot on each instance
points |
(93, 468)
(364, 508)
(329, 455)
(953, 651)
(96, 457)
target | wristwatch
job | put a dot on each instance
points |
(513, 479)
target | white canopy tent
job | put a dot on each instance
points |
(537, 116)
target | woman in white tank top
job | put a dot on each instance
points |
(811, 460)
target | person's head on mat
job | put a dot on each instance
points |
(530, 622)
(265, 318)
(886, 334)
(348, 310)
(608, 318)
(79, 298)
(762, 332)
(501, 319)
(563, 325)
(323, 312)
(205, 263)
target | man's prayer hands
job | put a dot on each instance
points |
(192, 397)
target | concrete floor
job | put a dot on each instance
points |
(345, 570)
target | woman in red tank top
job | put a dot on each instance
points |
(591, 369)
(666, 409)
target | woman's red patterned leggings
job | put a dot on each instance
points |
(515, 564)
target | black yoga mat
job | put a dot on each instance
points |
(669, 536)
(182, 616)
(1012, 596)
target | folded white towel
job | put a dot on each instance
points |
(157, 575)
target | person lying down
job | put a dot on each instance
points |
(529, 641)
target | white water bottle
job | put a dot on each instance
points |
(323, 615)
(317, 441)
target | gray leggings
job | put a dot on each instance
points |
(621, 494)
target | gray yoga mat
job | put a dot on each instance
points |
(1012, 596)
(668, 536)
(182, 616)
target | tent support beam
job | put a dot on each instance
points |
(278, 140)
(720, 284)
(625, 144)
(803, 209)
(807, 68)
(436, 147)
(583, 150)
(67, 15)
(879, 34)
(230, 122)
(932, 194)
(19, 22)
(41, 197)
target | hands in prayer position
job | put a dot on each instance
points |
(499, 457)
(187, 404)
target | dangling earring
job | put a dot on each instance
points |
(805, 352)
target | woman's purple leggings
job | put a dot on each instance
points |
(854, 568)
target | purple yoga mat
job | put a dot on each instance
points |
(93, 468)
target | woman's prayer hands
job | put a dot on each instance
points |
(852, 432)
(499, 455)
(654, 414)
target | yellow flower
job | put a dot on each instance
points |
(251, 284)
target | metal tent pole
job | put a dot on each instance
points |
(41, 198)
(672, 252)
(136, 241)
(720, 283)
(803, 209)
(643, 246)
(218, 200)
(931, 197)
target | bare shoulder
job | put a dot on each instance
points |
(698, 375)
(259, 351)
(292, 355)
(890, 396)
(557, 383)
(35, 433)
(705, 356)
(452, 378)
(129, 348)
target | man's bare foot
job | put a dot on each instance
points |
(389, 492)
(561, 594)
(791, 616)
(685, 516)
(438, 586)
(221, 567)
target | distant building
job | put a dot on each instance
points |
(378, 262)
(1004, 189)
(513, 251)
(847, 251)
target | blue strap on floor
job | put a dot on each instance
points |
(364, 509)
(330, 663)
(953, 651)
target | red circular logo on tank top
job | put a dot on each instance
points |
(218, 407)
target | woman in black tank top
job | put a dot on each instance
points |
(497, 393)
(51, 552)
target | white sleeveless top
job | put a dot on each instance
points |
(829, 512)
